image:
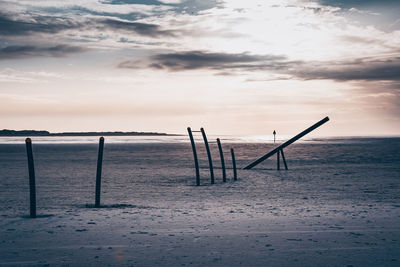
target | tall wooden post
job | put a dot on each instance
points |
(196, 163)
(234, 165)
(284, 160)
(98, 173)
(221, 154)
(209, 155)
(32, 185)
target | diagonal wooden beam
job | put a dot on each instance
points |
(290, 141)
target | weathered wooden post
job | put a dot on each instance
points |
(284, 160)
(32, 185)
(98, 173)
(208, 154)
(196, 163)
(278, 167)
(221, 154)
(234, 165)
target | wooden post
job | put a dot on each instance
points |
(98, 173)
(290, 141)
(234, 165)
(209, 155)
(278, 167)
(221, 154)
(196, 163)
(32, 185)
(284, 160)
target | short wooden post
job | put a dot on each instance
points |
(32, 185)
(284, 160)
(234, 165)
(209, 155)
(98, 173)
(196, 163)
(221, 154)
(278, 167)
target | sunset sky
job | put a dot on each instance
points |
(233, 67)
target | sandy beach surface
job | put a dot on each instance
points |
(337, 205)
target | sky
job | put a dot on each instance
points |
(232, 67)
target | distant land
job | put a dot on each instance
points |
(7, 132)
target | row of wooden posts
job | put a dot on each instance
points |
(210, 162)
(32, 182)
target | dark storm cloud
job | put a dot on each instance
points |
(144, 29)
(28, 51)
(191, 60)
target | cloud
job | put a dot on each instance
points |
(144, 29)
(191, 60)
(36, 24)
(365, 69)
(27, 51)
(360, 69)
(140, 2)
(55, 24)
(362, 40)
(192, 7)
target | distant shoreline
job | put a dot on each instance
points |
(7, 132)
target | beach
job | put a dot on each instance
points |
(337, 205)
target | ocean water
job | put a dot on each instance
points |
(269, 139)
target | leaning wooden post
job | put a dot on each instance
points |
(208, 154)
(98, 173)
(196, 163)
(290, 141)
(221, 154)
(278, 167)
(284, 160)
(32, 185)
(234, 165)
